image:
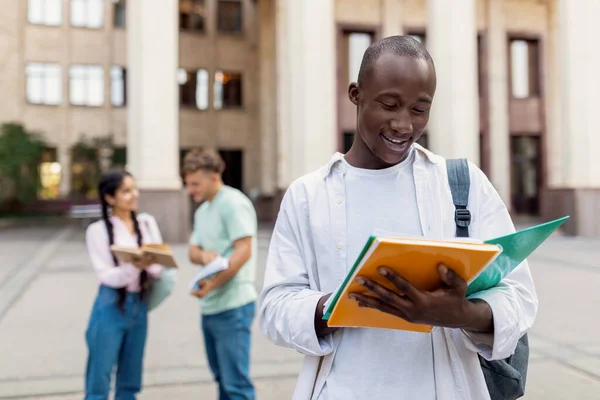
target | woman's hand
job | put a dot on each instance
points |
(143, 262)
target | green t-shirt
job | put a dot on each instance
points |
(217, 224)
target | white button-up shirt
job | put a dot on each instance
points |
(307, 259)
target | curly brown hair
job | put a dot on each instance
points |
(202, 159)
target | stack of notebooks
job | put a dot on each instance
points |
(481, 264)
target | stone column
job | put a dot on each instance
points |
(452, 41)
(498, 100)
(577, 191)
(153, 113)
(391, 17)
(268, 95)
(306, 92)
(64, 159)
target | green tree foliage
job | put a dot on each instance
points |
(20, 152)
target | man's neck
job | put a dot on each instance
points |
(214, 194)
(360, 156)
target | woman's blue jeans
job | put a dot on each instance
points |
(115, 338)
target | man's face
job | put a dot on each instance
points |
(393, 103)
(200, 185)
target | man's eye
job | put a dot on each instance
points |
(419, 110)
(388, 106)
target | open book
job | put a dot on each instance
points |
(162, 254)
(481, 264)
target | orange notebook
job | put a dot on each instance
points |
(414, 259)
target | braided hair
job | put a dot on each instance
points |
(108, 185)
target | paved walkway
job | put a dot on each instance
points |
(47, 289)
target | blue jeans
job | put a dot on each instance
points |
(227, 341)
(115, 337)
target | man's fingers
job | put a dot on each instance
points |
(400, 283)
(451, 278)
(383, 293)
(377, 304)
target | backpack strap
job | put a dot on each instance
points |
(460, 182)
(505, 379)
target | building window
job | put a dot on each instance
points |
(193, 88)
(524, 68)
(45, 12)
(229, 14)
(87, 13)
(86, 85)
(118, 86)
(357, 44)
(192, 15)
(228, 90)
(120, 12)
(44, 83)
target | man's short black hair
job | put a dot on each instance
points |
(406, 46)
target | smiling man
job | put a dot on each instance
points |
(387, 182)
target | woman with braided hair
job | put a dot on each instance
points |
(116, 333)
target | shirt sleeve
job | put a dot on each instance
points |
(240, 220)
(102, 261)
(287, 303)
(513, 301)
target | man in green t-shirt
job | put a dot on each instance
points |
(225, 225)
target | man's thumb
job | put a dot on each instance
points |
(448, 276)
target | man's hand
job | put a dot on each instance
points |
(205, 288)
(321, 327)
(208, 257)
(446, 307)
(143, 262)
(200, 257)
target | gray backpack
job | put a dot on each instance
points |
(505, 379)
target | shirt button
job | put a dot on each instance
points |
(324, 373)
(339, 246)
(339, 201)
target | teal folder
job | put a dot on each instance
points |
(516, 248)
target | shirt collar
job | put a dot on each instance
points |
(336, 159)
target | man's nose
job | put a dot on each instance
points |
(402, 123)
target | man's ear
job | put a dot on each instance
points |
(353, 93)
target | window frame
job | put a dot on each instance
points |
(194, 94)
(219, 27)
(222, 107)
(87, 105)
(124, 78)
(188, 28)
(60, 83)
(86, 25)
(44, 18)
(116, 5)
(534, 66)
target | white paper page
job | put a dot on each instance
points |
(217, 265)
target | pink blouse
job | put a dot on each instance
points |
(125, 275)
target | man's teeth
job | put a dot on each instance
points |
(395, 141)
